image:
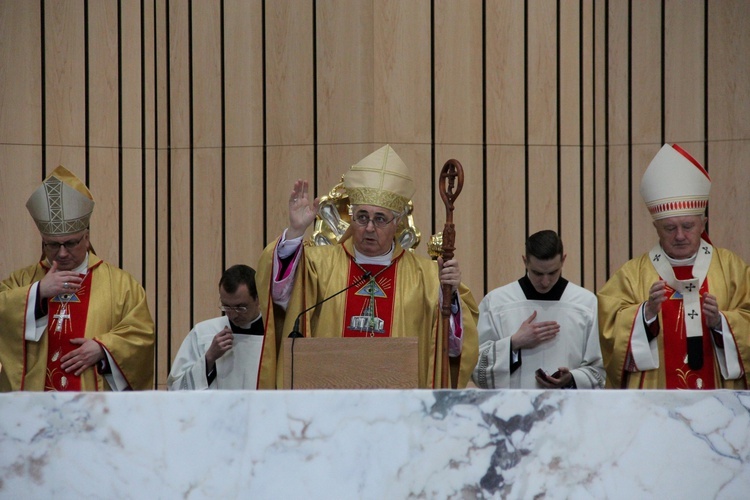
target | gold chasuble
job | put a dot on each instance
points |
(399, 300)
(111, 308)
(728, 279)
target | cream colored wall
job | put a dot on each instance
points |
(190, 124)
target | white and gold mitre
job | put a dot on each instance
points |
(675, 184)
(381, 179)
(61, 205)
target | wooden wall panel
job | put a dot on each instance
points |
(542, 103)
(158, 282)
(401, 32)
(131, 133)
(571, 224)
(207, 184)
(728, 124)
(569, 117)
(179, 175)
(65, 100)
(104, 121)
(459, 129)
(505, 235)
(21, 166)
(402, 90)
(345, 102)
(647, 121)
(618, 123)
(290, 123)
(243, 91)
(684, 74)
(505, 220)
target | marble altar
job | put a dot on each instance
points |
(376, 444)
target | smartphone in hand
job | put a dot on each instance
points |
(544, 376)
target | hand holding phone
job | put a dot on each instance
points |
(545, 376)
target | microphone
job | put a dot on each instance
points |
(295, 330)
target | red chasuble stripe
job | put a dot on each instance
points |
(369, 307)
(67, 320)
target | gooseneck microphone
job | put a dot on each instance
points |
(295, 330)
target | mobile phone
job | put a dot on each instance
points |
(543, 375)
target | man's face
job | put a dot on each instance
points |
(370, 239)
(68, 251)
(239, 299)
(680, 237)
(543, 274)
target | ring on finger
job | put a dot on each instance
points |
(66, 285)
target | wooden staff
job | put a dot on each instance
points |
(451, 183)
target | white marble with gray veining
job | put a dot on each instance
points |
(376, 444)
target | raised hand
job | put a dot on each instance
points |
(302, 210)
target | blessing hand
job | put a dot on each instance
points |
(302, 211)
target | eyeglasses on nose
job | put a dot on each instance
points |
(55, 245)
(379, 221)
(239, 309)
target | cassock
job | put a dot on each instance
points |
(110, 308)
(635, 357)
(576, 346)
(401, 300)
(237, 369)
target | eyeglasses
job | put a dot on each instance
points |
(69, 245)
(378, 221)
(240, 309)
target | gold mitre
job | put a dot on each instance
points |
(380, 179)
(61, 205)
(675, 184)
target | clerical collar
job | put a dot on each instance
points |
(530, 292)
(255, 327)
(380, 260)
(681, 262)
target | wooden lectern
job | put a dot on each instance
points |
(351, 363)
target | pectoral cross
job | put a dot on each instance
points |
(61, 317)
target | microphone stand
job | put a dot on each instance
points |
(295, 333)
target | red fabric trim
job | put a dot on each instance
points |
(678, 205)
(692, 160)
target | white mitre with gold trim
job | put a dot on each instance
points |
(675, 184)
(61, 205)
(381, 179)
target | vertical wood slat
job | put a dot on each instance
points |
(65, 86)
(104, 127)
(208, 168)
(243, 88)
(505, 228)
(459, 129)
(21, 166)
(728, 126)
(647, 119)
(179, 175)
(131, 136)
